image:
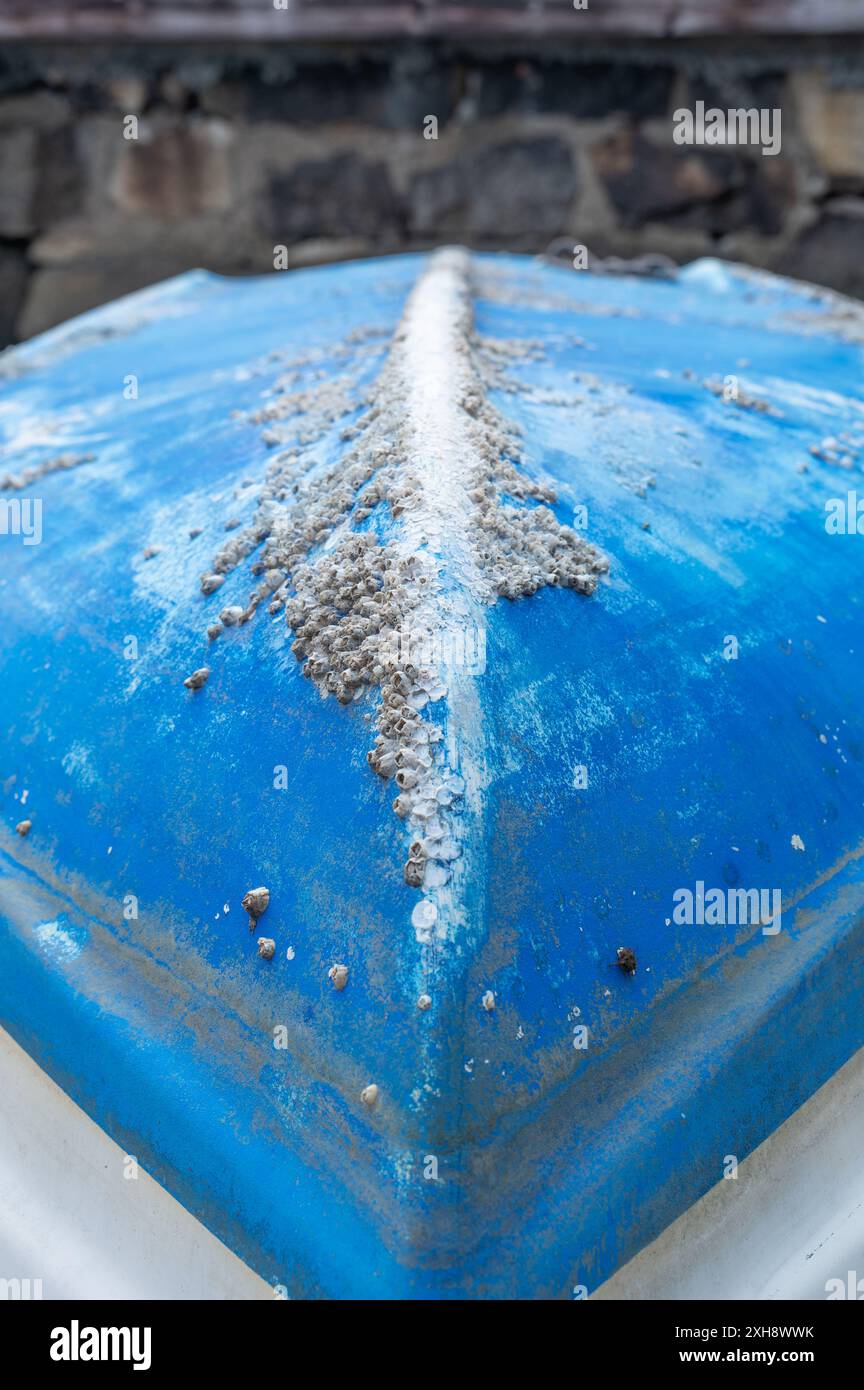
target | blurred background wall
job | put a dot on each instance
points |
(307, 125)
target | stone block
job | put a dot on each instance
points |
(513, 191)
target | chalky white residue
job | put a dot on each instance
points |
(432, 357)
(384, 562)
(445, 457)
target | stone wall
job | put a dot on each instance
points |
(325, 151)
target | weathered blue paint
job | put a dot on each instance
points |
(554, 1164)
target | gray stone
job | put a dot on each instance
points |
(651, 182)
(757, 202)
(394, 92)
(127, 94)
(585, 91)
(829, 254)
(518, 191)
(36, 110)
(58, 293)
(831, 118)
(744, 89)
(175, 169)
(341, 196)
(60, 187)
(13, 284)
(41, 179)
(17, 182)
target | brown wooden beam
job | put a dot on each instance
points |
(322, 21)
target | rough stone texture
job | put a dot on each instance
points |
(39, 109)
(647, 182)
(822, 254)
(17, 182)
(588, 91)
(712, 191)
(341, 196)
(521, 189)
(13, 284)
(832, 121)
(375, 90)
(174, 170)
(60, 179)
(327, 152)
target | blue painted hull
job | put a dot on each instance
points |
(555, 1163)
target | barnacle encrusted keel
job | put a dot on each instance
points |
(387, 561)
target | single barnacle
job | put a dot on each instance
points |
(626, 960)
(255, 902)
(414, 871)
(266, 947)
(197, 678)
(339, 975)
(231, 616)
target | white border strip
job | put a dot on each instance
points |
(71, 1220)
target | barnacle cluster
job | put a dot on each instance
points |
(426, 517)
(58, 463)
(738, 397)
